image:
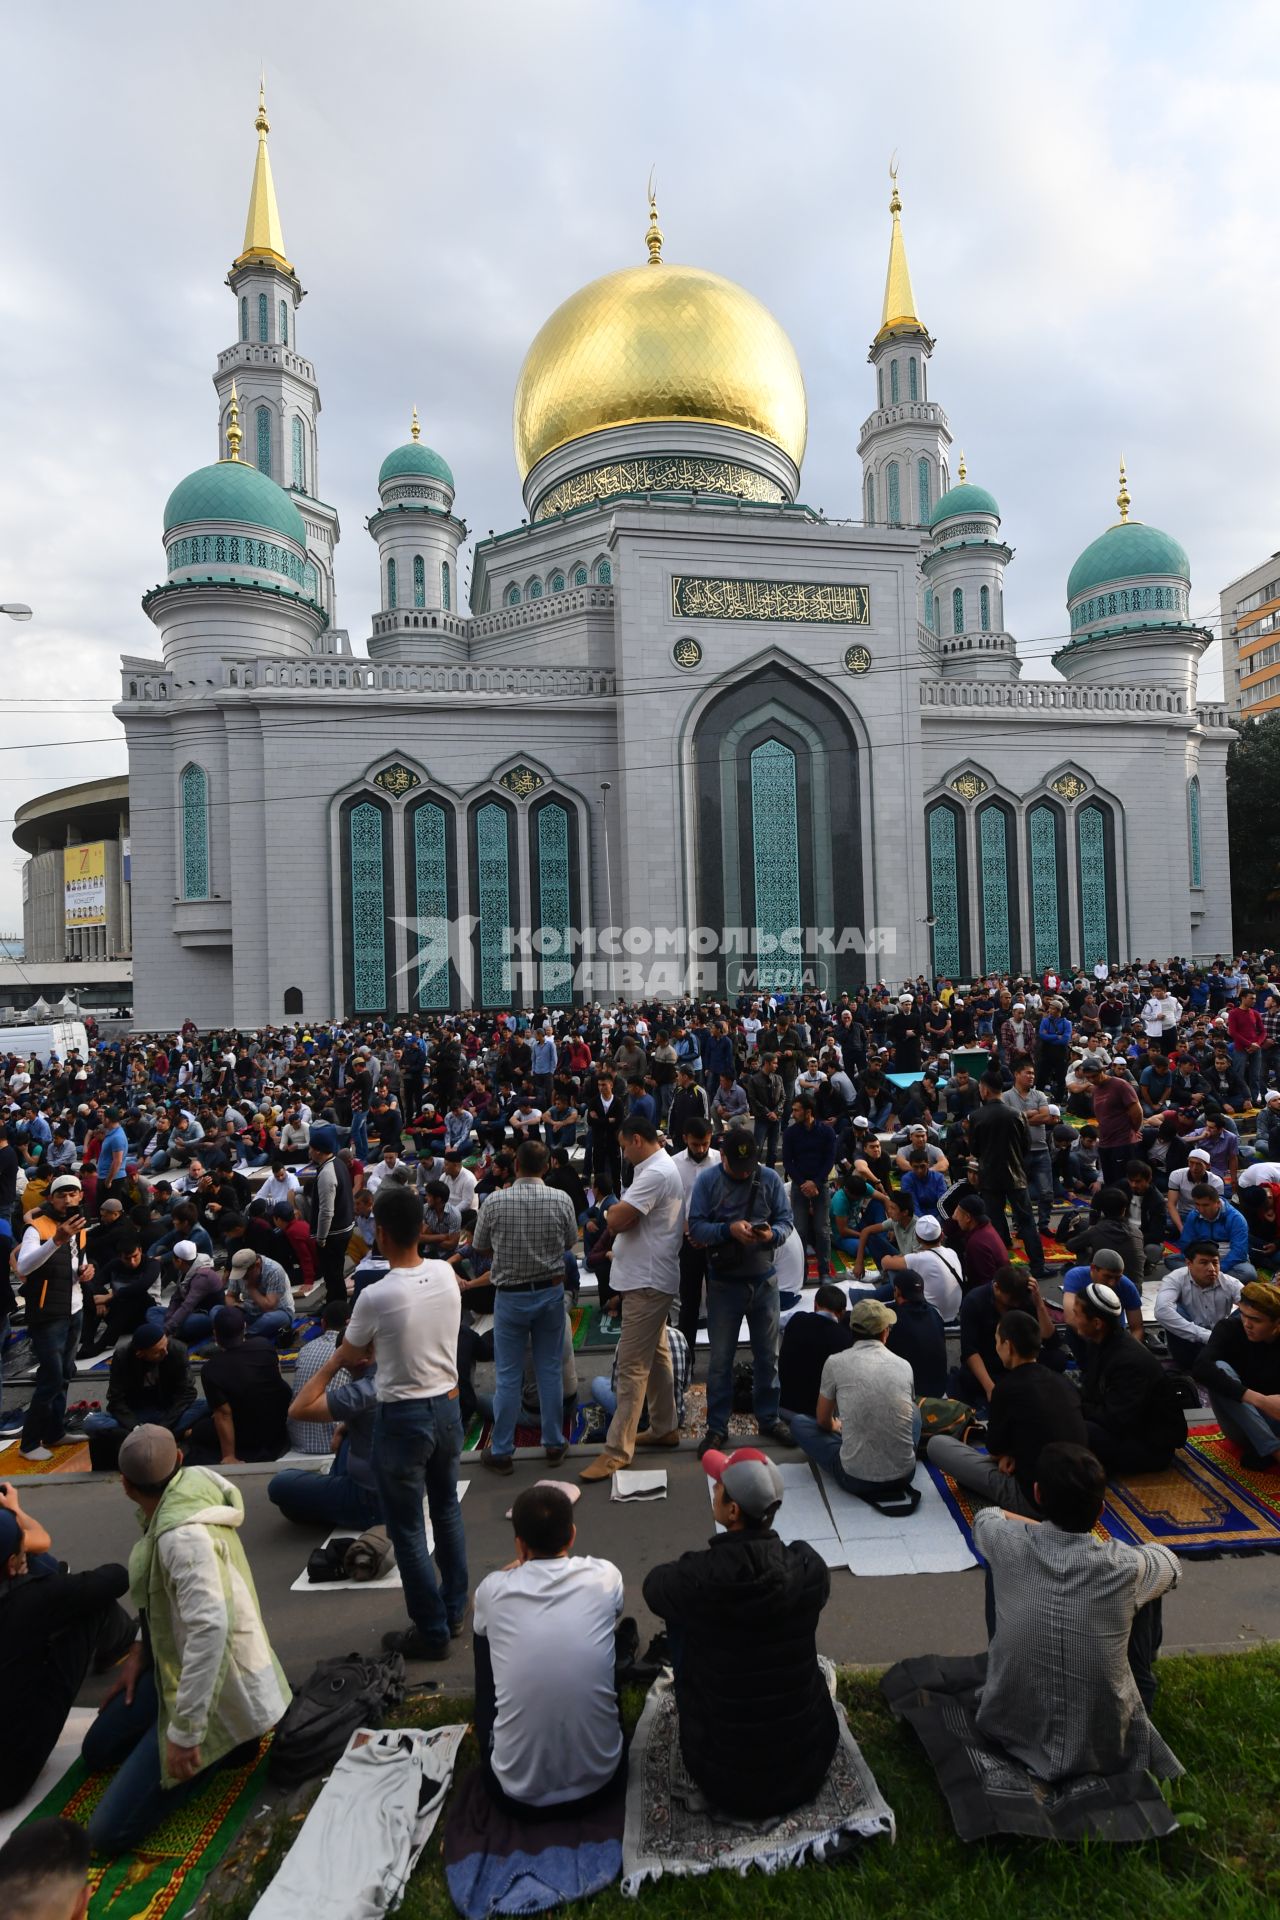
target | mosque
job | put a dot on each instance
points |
(764, 745)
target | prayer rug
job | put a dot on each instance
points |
(1206, 1503)
(840, 1263)
(496, 1863)
(594, 1333)
(988, 1791)
(72, 1457)
(672, 1829)
(742, 1426)
(178, 1856)
(480, 1432)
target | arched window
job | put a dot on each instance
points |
(775, 844)
(913, 378)
(1193, 828)
(984, 608)
(292, 1000)
(579, 576)
(493, 900)
(446, 586)
(299, 455)
(946, 880)
(555, 916)
(534, 590)
(429, 852)
(1044, 838)
(262, 421)
(244, 316)
(604, 573)
(368, 908)
(922, 487)
(264, 321)
(957, 610)
(871, 500)
(284, 323)
(930, 610)
(419, 581)
(391, 584)
(513, 595)
(893, 507)
(194, 787)
(880, 386)
(556, 583)
(994, 850)
(893, 383)
(1095, 884)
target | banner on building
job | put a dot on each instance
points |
(84, 884)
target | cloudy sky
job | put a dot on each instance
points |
(1088, 193)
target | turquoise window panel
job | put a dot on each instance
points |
(1042, 832)
(913, 378)
(579, 576)
(922, 487)
(1193, 826)
(284, 323)
(493, 872)
(299, 454)
(930, 610)
(446, 586)
(1091, 840)
(392, 584)
(775, 845)
(957, 610)
(894, 394)
(944, 892)
(368, 909)
(431, 899)
(513, 596)
(262, 426)
(264, 320)
(984, 609)
(194, 793)
(871, 499)
(556, 583)
(534, 590)
(880, 386)
(555, 903)
(419, 581)
(993, 859)
(244, 316)
(894, 488)
(604, 573)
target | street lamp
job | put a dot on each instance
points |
(15, 610)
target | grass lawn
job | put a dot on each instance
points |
(1220, 1714)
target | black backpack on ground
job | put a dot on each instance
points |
(340, 1695)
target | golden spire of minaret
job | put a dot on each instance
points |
(233, 426)
(1122, 498)
(899, 315)
(415, 428)
(263, 235)
(962, 470)
(653, 238)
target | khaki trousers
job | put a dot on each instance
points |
(644, 1369)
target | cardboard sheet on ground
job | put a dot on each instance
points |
(388, 1582)
(631, 1484)
(67, 1751)
(849, 1533)
(803, 1514)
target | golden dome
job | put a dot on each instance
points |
(659, 343)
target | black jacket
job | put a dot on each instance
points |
(137, 1387)
(1127, 1391)
(1000, 1140)
(757, 1726)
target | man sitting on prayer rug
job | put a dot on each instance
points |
(1031, 1408)
(1131, 1405)
(546, 1702)
(757, 1725)
(1240, 1365)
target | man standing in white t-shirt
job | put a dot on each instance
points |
(647, 1229)
(412, 1316)
(546, 1711)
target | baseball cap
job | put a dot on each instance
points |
(871, 1317)
(749, 1478)
(242, 1261)
(185, 1250)
(1108, 1259)
(739, 1149)
(1104, 1300)
(65, 1183)
(148, 1455)
(10, 1535)
(908, 1284)
(1091, 1063)
(928, 1229)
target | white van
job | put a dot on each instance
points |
(53, 1040)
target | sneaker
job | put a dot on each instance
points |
(35, 1453)
(711, 1442)
(497, 1462)
(409, 1642)
(775, 1430)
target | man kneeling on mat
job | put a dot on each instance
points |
(757, 1726)
(546, 1711)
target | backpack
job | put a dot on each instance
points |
(340, 1696)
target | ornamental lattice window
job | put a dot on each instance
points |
(431, 905)
(894, 485)
(922, 485)
(555, 910)
(944, 892)
(446, 586)
(957, 610)
(299, 455)
(913, 378)
(194, 790)
(262, 425)
(368, 909)
(1043, 833)
(493, 875)
(775, 846)
(392, 586)
(894, 394)
(264, 320)
(1091, 843)
(419, 581)
(1193, 829)
(244, 316)
(984, 609)
(993, 867)
(284, 323)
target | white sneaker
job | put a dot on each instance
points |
(36, 1453)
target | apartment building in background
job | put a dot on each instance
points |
(1251, 641)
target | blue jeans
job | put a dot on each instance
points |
(823, 1449)
(359, 1141)
(539, 1318)
(55, 1346)
(195, 1328)
(603, 1394)
(1250, 1426)
(729, 1303)
(329, 1500)
(416, 1448)
(136, 1801)
(270, 1324)
(813, 1223)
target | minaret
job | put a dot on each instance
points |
(279, 398)
(904, 444)
(418, 537)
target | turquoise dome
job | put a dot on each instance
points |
(1128, 551)
(413, 461)
(963, 499)
(235, 493)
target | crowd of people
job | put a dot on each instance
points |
(396, 1203)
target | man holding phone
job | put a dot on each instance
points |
(52, 1269)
